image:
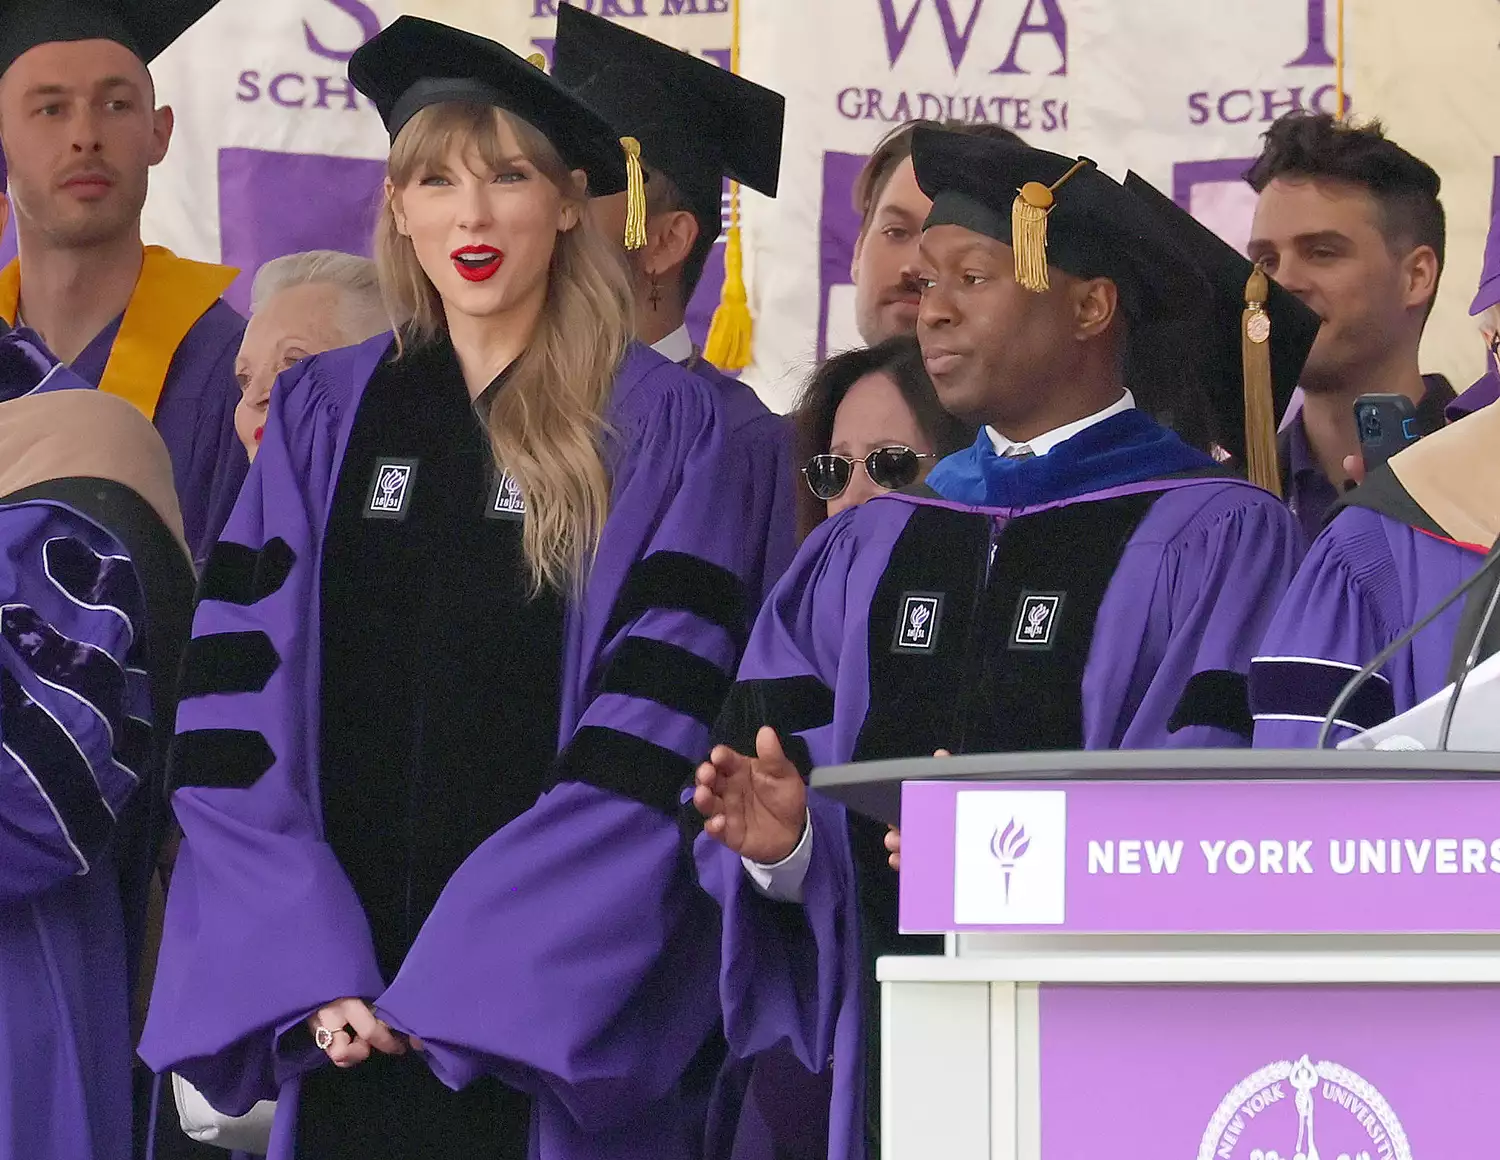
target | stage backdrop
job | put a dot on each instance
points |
(274, 152)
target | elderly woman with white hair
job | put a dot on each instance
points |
(301, 305)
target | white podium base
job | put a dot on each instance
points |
(961, 1035)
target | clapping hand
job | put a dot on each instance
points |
(756, 805)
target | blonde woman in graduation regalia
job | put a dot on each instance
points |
(455, 657)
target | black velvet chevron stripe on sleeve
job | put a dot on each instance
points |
(218, 759)
(228, 662)
(236, 574)
(626, 765)
(790, 705)
(1215, 699)
(679, 582)
(668, 674)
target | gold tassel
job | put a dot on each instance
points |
(1260, 400)
(731, 332)
(635, 195)
(537, 60)
(1028, 230)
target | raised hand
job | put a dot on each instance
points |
(369, 1034)
(757, 805)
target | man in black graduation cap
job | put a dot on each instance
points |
(1081, 578)
(697, 124)
(81, 130)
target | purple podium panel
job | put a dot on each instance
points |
(1182, 857)
(1286, 1073)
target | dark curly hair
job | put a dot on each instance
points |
(1405, 188)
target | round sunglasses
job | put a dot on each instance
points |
(890, 468)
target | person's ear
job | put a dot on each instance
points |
(1419, 274)
(1095, 303)
(393, 205)
(670, 238)
(163, 120)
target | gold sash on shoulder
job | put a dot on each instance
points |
(170, 296)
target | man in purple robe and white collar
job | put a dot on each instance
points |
(81, 132)
(1080, 578)
(95, 595)
(697, 124)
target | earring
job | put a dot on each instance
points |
(655, 296)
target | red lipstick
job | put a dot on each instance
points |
(477, 263)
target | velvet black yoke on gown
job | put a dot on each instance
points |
(440, 706)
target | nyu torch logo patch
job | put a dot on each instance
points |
(1036, 620)
(507, 502)
(390, 489)
(917, 630)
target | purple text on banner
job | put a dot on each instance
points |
(1256, 1073)
(1217, 857)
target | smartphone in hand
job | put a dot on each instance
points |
(1386, 424)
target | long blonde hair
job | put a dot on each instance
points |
(547, 424)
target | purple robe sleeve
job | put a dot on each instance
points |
(70, 701)
(573, 954)
(1365, 581)
(791, 973)
(195, 417)
(1207, 584)
(262, 924)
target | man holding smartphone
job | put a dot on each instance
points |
(1350, 223)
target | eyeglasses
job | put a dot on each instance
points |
(890, 468)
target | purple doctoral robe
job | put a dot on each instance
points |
(195, 416)
(761, 445)
(571, 954)
(74, 703)
(1366, 580)
(911, 623)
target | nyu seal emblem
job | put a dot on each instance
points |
(1304, 1111)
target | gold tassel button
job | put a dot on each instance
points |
(537, 60)
(635, 195)
(1261, 463)
(1028, 230)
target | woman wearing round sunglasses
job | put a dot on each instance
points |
(869, 422)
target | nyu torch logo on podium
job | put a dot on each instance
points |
(1009, 857)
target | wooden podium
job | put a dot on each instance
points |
(1191, 955)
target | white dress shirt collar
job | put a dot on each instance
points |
(677, 346)
(1045, 443)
